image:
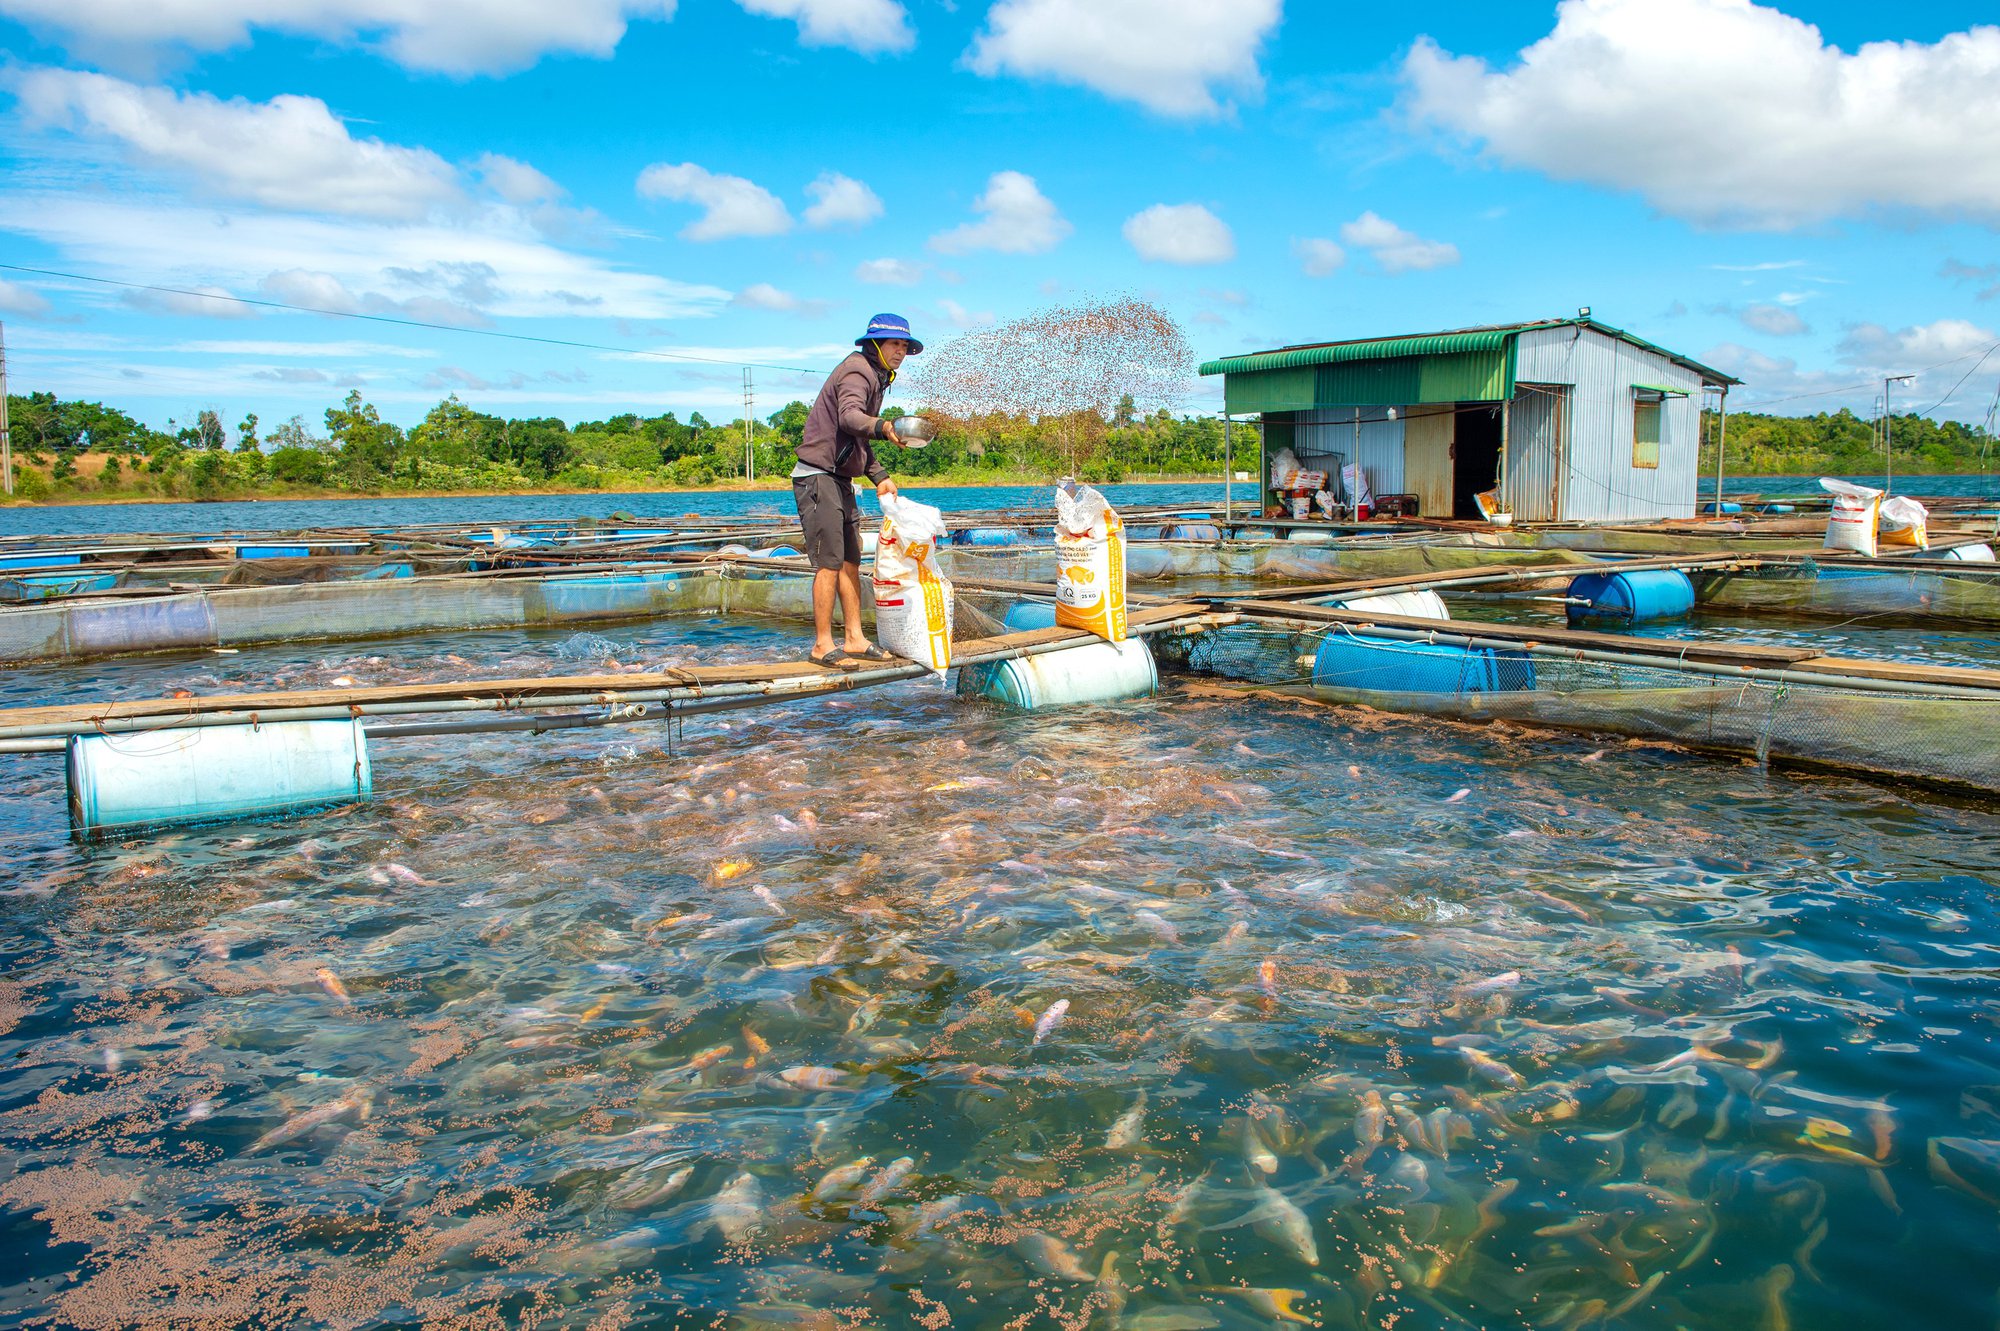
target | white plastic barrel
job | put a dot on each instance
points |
(207, 773)
(1970, 554)
(1416, 605)
(1093, 673)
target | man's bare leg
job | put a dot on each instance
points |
(827, 584)
(850, 608)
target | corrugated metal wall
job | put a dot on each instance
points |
(1530, 475)
(1380, 452)
(1598, 481)
(1427, 462)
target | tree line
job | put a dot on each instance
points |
(1841, 443)
(68, 449)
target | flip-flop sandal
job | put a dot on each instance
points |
(835, 658)
(871, 653)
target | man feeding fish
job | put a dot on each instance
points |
(836, 450)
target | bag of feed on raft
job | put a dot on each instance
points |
(1905, 522)
(913, 599)
(1856, 512)
(1090, 563)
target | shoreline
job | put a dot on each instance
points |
(757, 487)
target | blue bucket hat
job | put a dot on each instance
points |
(888, 327)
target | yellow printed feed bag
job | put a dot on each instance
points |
(1090, 563)
(913, 599)
(1904, 521)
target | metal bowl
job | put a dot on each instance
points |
(915, 429)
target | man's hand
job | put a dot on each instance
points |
(889, 433)
(886, 489)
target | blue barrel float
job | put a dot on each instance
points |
(1642, 596)
(1025, 616)
(1392, 665)
(211, 773)
(1092, 673)
(987, 536)
(1193, 531)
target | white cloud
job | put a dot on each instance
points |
(289, 152)
(731, 206)
(23, 301)
(889, 272)
(1169, 56)
(301, 350)
(764, 296)
(1773, 319)
(839, 200)
(1182, 233)
(1730, 113)
(202, 302)
(958, 316)
(1773, 267)
(1397, 250)
(1018, 220)
(496, 261)
(457, 37)
(1872, 346)
(867, 26)
(514, 181)
(1319, 257)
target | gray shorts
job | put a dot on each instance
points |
(831, 519)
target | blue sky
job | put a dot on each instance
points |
(1806, 196)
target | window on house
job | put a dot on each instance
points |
(1646, 430)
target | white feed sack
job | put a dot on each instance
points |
(1857, 510)
(913, 598)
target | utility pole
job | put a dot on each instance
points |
(1228, 475)
(6, 436)
(749, 438)
(1889, 431)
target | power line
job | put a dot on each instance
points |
(406, 323)
(1961, 381)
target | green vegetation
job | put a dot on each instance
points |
(87, 451)
(1843, 444)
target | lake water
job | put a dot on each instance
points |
(901, 1010)
(292, 514)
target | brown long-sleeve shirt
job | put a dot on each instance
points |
(845, 418)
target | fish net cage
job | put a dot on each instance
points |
(1942, 738)
(1827, 591)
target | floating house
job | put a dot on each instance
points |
(1570, 420)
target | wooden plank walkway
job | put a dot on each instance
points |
(790, 678)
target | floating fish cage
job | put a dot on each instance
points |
(1963, 588)
(1933, 726)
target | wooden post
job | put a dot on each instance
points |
(1228, 473)
(6, 435)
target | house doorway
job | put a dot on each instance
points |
(1475, 456)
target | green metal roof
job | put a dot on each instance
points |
(1333, 353)
(1499, 337)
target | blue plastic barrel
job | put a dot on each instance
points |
(1390, 665)
(1726, 506)
(986, 536)
(1193, 531)
(1096, 672)
(42, 586)
(1024, 616)
(209, 773)
(1643, 596)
